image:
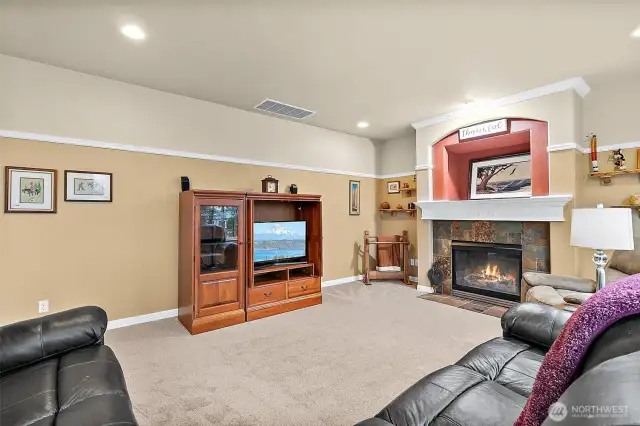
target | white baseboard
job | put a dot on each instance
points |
(172, 313)
(141, 319)
(425, 288)
(341, 281)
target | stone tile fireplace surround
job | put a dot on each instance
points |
(532, 236)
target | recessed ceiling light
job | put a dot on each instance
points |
(636, 33)
(362, 124)
(134, 32)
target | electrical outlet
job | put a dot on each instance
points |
(43, 306)
(413, 262)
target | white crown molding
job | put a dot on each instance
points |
(340, 281)
(603, 148)
(141, 319)
(172, 313)
(548, 208)
(173, 153)
(424, 167)
(563, 147)
(396, 175)
(577, 83)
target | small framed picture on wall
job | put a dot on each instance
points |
(354, 197)
(86, 186)
(29, 190)
(393, 187)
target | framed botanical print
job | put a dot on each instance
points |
(354, 197)
(29, 190)
(393, 187)
(80, 185)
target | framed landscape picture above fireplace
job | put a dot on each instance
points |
(504, 177)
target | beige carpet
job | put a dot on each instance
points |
(333, 364)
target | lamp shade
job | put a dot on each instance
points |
(604, 229)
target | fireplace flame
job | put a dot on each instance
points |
(492, 271)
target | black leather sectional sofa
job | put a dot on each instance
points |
(490, 385)
(55, 370)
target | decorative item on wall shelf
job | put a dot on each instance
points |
(80, 185)
(393, 187)
(385, 205)
(399, 207)
(504, 177)
(293, 188)
(618, 160)
(411, 206)
(30, 190)
(270, 185)
(638, 158)
(405, 185)
(594, 153)
(354, 197)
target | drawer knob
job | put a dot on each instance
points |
(304, 287)
(267, 294)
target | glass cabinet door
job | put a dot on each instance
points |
(219, 246)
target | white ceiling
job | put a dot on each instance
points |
(387, 62)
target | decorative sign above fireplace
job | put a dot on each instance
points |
(484, 129)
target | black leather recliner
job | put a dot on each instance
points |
(56, 370)
(490, 385)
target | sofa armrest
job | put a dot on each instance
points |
(561, 282)
(31, 341)
(534, 323)
(374, 421)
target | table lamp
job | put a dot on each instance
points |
(602, 229)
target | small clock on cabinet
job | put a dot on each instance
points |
(270, 185)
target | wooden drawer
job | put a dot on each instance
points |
(304, 286)
(267, 294)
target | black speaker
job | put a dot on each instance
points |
(185, 183)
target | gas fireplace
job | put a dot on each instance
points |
(487, 272)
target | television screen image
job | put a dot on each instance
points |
(279, 241)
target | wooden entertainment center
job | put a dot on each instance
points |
(219, 281)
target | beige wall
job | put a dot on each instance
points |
(611, 110)
(42, 99)
(591, 192)
(394, 224)
(397, 155)
(123, 255)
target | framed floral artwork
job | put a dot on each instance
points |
(29, 190)
(81, 185)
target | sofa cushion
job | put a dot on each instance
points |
(28, 396)
(545, 295)
(574, 297)
(613, 275)
(489, 385)
(83, 387)
(488, 403)
(90, 381)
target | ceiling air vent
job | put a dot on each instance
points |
(275, 107)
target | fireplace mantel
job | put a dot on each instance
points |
(549, 208)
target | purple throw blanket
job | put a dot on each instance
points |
(561, 364)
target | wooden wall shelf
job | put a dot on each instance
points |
(605, 177)
(393, 212)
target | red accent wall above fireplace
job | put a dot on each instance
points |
(451, 158)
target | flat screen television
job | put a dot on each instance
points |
(279, 242)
